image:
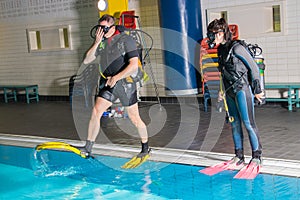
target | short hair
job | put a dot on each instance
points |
(220, 25)
(106, 17)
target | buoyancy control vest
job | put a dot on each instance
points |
(232, 69)
(238, 67)
(114, 55)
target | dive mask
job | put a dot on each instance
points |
(105, 28)
(95, 28)
(211, 39)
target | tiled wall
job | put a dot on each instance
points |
(148, 13)
(281, 52)
(52, 70)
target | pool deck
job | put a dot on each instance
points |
(181, 133)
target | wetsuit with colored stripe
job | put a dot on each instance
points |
(240, 76)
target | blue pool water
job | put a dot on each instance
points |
(67, 176)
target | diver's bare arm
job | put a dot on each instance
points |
(90, 55)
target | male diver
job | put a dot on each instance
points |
(118, 60)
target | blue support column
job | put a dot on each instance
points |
(182, 30)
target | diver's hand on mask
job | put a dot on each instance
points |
(99, 36)
(211, 39)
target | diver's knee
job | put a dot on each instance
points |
(250, 127)
(96, 113)
(137, 122)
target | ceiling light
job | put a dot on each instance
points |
(102, 5)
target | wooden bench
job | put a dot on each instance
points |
(293, 93)
(11, 91)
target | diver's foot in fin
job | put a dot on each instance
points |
(84, 153)
(86, 150)
(137, 160)
(235, 163)
(61, 146)
(251, 170)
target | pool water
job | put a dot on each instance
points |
(64, 175)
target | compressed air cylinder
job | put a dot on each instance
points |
(261, 65)
(181, 31)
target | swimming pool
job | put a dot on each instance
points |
(70, 177)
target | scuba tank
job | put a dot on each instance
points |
(256, 53)
(258, 58)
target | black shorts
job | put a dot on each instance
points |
(126, 92)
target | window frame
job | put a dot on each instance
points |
(61, 35)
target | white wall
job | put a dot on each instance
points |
(147, 10)
(50, 70)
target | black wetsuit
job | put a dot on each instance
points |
(115, 53)
(240, 76)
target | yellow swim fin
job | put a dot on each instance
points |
(60, 146)
(137, 160)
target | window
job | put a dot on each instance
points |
(252, 19)
(224, 15)
(49, 39)
(276, 18)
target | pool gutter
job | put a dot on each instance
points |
(273, 166)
